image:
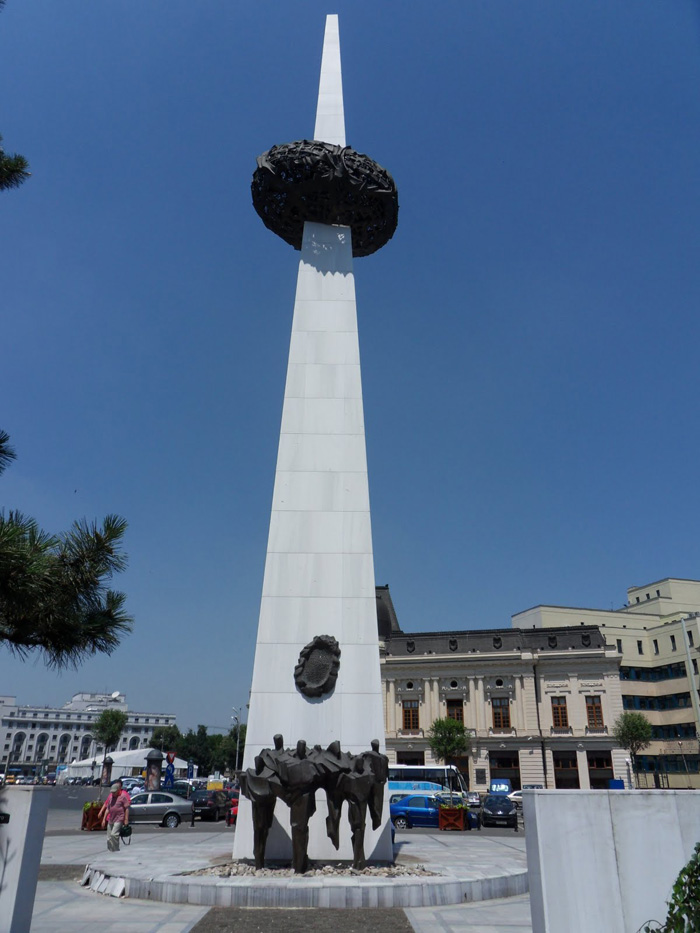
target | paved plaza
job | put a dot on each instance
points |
(63, 905)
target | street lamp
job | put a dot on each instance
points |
(237, 719)
(685, 761)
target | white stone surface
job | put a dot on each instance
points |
(319, 569)
(475, 867)
(20, 854)
(606, 860)
(330, 116)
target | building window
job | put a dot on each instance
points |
(501, 713)
(656, 646)
(640, 648)
(673, 642)
(455, 710)
(410, 715)
(695, 666)
(560, 716)
(690, 638)
(594, 712)
(619, 646)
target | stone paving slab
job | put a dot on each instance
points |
(64, 907)
(510, 915)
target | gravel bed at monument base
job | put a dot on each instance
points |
(240, 869)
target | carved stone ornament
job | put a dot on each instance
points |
(453, 644)
(317, 670)
(315, 181)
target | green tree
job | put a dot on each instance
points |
(167, 739)
(54, 596)
(198, 746)
(447, 739)
(108, 728)
(233, 746)
(632, 731)
(13, 168)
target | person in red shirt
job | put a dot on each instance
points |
(115, 814)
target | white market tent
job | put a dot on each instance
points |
(124, 765)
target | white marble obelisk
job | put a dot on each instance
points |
(319, 570)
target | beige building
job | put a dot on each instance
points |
(539, 706)
(656, 635)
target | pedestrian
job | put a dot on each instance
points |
(115, 814)
(125, 793)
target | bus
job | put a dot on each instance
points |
(444, 775)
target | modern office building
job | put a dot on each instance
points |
(539, 706)
(656, 636)
(42, 737)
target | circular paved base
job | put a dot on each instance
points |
(467, 868)
(355, 891)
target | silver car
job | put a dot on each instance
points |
(158, 807)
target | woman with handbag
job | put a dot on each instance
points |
(115, 814)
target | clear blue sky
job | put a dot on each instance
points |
(529, 337)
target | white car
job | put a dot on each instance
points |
(517, 797)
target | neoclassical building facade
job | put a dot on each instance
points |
(538, 705)
(41, 737)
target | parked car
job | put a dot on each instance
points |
(517, 797)
(129, 782)
(181, 788)
(473, 799)
(212, 804)
(158, 807)
(424, 811)
(498, 810)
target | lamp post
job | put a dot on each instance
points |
(685, 761)
(237, 720)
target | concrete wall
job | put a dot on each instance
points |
(21, 841)
(606, 860)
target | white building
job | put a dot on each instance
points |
(656, 635)
(36, 736)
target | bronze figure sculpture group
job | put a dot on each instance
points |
(294, 776)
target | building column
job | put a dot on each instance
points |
(518, 719)
(391, 706)
(437, 707)
(426, 718)
(480, 706)
(470, 719)
(584, 778)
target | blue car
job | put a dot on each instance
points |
(424, 811)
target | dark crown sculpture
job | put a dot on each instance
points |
(325, 184)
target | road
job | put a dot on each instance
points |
(65, 817)
(66, 814)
